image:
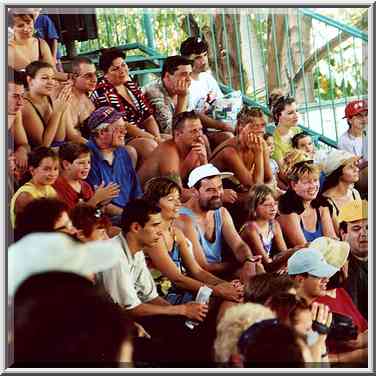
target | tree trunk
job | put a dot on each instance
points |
(276, 58)
(225, 39)
(301, 46)
(251, 57)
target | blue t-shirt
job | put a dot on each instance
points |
(121, 172)
(45, 29)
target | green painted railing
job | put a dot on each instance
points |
(317, 59)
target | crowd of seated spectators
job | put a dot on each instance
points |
(127, 203)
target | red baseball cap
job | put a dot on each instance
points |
(355, 107)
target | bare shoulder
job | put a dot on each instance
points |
(184, 221)
(27, 110)
(292, 217)
(276, 224)
(46, 51)
(225, 213)
(168, 146)
(250, 226)
(230, 150)
(324, 210)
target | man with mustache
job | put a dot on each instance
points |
(209, 226)
(318, 272)
(354, 229)
(110, 161)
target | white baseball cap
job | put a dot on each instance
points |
(43, 252)
(310, 260)
(205, 171)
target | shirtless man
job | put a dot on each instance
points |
(17, 139)
(246, 155)
(177, 157)
(84, 79)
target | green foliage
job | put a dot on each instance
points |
(334, 77)
(345, 79)
(349, 16)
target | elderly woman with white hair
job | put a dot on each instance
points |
(234, 322)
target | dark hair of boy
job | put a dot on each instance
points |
(137, 211)
(70, 151)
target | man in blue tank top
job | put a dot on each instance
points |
(208, 225)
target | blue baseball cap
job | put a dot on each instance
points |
(310, 260)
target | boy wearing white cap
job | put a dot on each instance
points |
(208, 225)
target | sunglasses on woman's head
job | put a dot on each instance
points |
(302, 163)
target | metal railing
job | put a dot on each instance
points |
(319, 60)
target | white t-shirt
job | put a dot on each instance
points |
(129, 282)
(351, 144)
(200, 88)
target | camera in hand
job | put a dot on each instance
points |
(342, 328)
